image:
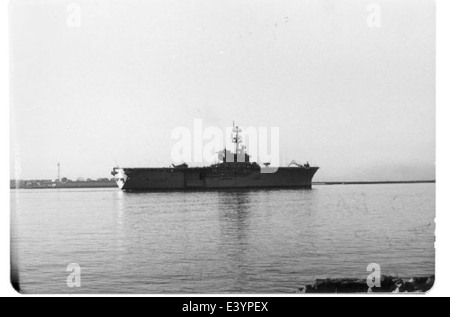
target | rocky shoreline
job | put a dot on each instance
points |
(389, 284)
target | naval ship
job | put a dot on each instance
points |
(234, 171)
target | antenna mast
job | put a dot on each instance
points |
(236, 139)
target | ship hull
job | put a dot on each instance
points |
(154, 179)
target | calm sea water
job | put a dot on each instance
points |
(265, 241)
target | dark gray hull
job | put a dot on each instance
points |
(154, 179)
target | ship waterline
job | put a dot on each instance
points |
(213, 177)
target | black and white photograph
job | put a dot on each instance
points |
(222, 147)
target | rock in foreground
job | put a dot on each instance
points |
(389, 284)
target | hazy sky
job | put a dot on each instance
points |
(358, 101)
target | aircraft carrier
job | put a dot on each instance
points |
(234, 171)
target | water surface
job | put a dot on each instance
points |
(261, 241)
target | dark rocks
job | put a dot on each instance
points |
(413, 285)
(389, 284)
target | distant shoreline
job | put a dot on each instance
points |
(67, 187)
(35, 184)
(373, 182)
(112, 185)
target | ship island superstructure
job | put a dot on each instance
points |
(233, 171)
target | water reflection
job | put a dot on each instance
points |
(235, 215)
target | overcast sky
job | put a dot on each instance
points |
(358, 101)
